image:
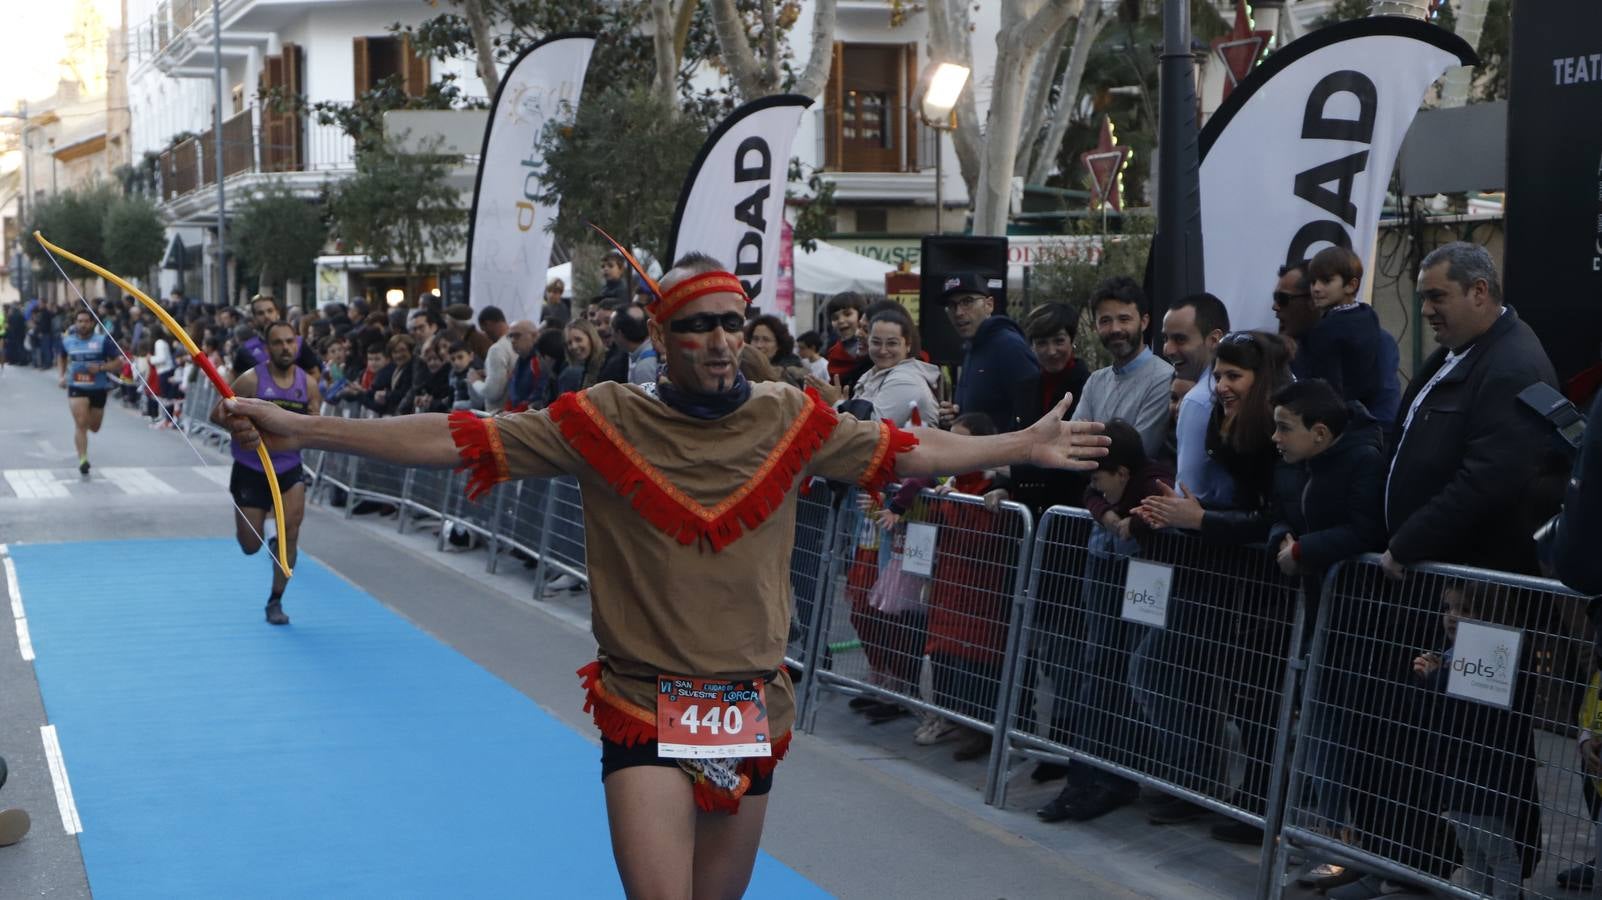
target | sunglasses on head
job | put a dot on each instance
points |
(704, 323)
(1238, 337)
(1283, 298)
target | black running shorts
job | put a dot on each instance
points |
(250, 488)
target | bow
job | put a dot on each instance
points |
(200, 359)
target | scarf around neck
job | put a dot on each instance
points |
(705, 406)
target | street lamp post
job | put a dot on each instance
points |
(943, 85)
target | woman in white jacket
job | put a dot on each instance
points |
(898, 381)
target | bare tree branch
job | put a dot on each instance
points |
(1092, 22)
(1037, 102)
(665, 80)
(1023, 34)
(816, 75)
(735, 46)
(949, 42)
(478, 23)
(770, 42)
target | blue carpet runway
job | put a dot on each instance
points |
(350, 755)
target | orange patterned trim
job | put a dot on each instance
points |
(478, 443)
(670, 509)
(715, 282)
(882, 468)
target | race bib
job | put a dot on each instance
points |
(699, 718)
(83, 378)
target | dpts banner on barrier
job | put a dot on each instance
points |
(732, 205)
(509, 240)
(1300, 155)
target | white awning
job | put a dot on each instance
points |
(831, 270)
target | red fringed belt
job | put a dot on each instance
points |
(626, 723)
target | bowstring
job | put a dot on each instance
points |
(166, 411)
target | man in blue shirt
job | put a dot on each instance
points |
(1192, 329)
(85, 359)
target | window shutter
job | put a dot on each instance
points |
(416, 71)
(834, 109)
(364, 80)
(908, 85)
(294, 129)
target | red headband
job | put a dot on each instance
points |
(715, 282)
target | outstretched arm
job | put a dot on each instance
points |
(1050, 443)
(416, 440)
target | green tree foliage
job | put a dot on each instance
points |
(622, 51)
(132, 235)
(1123, 58)
(399, 208)
(621, 165)
(72, 220)
(1346, 11)
(277, 236)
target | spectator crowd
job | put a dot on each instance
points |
(1303, 439)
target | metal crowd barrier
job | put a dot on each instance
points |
(888, 618)
(1437, 736)
(1175, 663)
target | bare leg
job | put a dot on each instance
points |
(80, 425)
(294, 512)
(93, 418)
(653, 819)
(726, 849)
(248, 525)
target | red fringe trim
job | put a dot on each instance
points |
(620, 721)
(882, 470)
(478, 442)
(664, 505)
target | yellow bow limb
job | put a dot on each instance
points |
(200, 359)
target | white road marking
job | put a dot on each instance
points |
(58, 777)
(11, 582)
(24, 640)
(137, 481)
(216, 474)
(34, 484)
(18, 615)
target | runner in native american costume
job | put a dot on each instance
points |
(689, 493)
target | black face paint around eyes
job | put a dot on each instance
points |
(703, 323)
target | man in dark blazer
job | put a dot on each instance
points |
(1465, 458)
(1459, 491)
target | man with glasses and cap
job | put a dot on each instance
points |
(1000, 376)
(690, 614)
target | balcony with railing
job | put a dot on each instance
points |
(316, 149)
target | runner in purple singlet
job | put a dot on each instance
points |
(280, 381)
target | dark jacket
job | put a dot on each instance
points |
(1334, 503)
(615, 367)
(1460, 476)
(1149, 481)
(1037, 488)
(1353, 353)
(1578, 563)
(1255, 473)
(1000, 375)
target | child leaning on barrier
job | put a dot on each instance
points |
(1091, 694)
(1330, 508)
(1486, 754)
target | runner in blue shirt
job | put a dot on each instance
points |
(85, 359)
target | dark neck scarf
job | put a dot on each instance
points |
(705, 406)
